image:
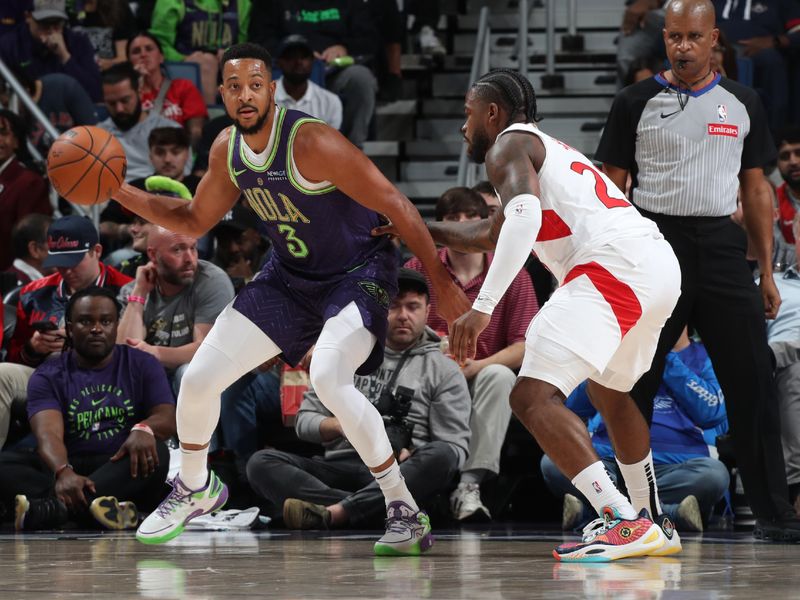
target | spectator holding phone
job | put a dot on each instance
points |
(74, 252)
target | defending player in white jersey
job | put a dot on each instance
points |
(618, 283)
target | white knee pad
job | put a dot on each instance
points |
(343, 346)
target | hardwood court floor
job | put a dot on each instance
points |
(486, 564)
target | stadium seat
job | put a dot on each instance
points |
(183, 70)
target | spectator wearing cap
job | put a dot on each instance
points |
(74, 252)
(240, 248)
(295, 90)
(340, 32)
(46, 45)
(500, 348)
(127, 121)
(169, 155)
(174, 300)
(425, 404)
(22, 191)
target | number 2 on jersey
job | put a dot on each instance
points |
(294, 244)
(600, 187)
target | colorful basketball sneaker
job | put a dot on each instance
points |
(672, 541)
(612, 537)
(181, 506)
(408, 533)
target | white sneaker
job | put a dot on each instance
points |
(572, 511)
(672, 541)
(466, 504)
(689, 514)
(408, 533)
(181, 506)
(429, 42)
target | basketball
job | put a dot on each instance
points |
(86, 165)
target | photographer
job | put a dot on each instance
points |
(426, 406)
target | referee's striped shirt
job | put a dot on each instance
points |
(685, 154)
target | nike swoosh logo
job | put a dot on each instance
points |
(237, 173)
(96, 402)
(663, 116)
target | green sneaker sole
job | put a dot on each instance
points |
(163, 538)
(416, 549)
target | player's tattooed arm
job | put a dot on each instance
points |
(512, 162)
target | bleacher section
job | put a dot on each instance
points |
(419, 139)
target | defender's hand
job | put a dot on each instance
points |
(464, 334)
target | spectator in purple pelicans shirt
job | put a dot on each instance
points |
(101, 414)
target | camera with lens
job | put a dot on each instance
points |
(394, 407)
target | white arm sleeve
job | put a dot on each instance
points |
(517, 236)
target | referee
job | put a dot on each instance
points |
(690, 138)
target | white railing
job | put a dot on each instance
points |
(21, 95)
(468, 173)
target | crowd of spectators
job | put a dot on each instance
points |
(104, 320)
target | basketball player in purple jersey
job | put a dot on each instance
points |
(328, 281)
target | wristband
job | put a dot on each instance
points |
(62, 468)
(143, 427)
(138, 299)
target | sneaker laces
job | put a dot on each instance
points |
(397, 522)
(598, 527)
(178, 494)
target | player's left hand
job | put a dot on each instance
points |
(771, 297)
(141, 447)
(464, 333)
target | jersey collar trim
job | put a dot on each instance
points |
(662, 80)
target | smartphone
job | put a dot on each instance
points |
(43, 326)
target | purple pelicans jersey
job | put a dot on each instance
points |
(323, 254)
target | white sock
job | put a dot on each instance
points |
(194, 468)
(393, 486)
(597, 487)
(640, 479)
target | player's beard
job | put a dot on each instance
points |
(255, 127)
(479, 147)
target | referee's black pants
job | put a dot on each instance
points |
(721, 301)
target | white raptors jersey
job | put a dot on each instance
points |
(582, 210)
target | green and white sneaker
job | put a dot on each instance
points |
(181, 506)
(408, 533)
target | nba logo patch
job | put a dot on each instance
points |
(722, 113)
(597, 487)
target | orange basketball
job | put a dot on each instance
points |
(86, 165)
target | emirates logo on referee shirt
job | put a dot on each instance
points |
(726, 130)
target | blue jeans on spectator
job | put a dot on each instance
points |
(705, 478)
(252, 400)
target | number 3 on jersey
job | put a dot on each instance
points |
(600, 187)
(294, 244)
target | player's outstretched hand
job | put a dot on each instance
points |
(464, 333)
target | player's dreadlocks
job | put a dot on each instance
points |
(511, 90)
